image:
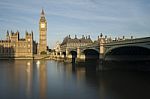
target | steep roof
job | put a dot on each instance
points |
(76, 40)
(42, 13)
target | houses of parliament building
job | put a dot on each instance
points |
(15, 47)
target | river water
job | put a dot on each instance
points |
(24, 79)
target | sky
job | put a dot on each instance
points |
(115, 18)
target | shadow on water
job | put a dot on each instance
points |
(89, 65)
(97, 65)
(117, 80)
(126, 65)
(120, 84)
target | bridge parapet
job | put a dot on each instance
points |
(129, 41)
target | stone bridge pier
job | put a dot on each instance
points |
(101, 48)
(75, 53)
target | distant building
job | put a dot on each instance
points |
(14, 46)
(57, 47)
(69, 42)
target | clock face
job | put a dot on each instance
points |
(42, 25)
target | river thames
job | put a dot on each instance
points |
(25, 79)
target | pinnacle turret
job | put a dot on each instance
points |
(42, 13)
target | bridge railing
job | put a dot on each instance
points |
(137, 40)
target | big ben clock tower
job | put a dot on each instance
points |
(43, 33)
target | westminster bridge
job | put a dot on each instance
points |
(106, 49)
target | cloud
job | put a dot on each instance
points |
(113, 17)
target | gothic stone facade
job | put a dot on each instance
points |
(42, 47)
(14, 46)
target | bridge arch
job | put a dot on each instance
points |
(73, 53)
(64, 54)
(133, 49)
(95, 49)
(58, 53)
(128, 50)
(91, 54)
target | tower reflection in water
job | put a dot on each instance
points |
(30, 79)
(42, 73)
(29, 71)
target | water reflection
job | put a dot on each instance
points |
(43, 79)
(126, 65)
(27, 80)
(24, 79)
(29, 71)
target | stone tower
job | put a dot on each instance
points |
(43, 33)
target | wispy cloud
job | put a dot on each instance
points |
(115, 17)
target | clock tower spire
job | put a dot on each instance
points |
(43, 33)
